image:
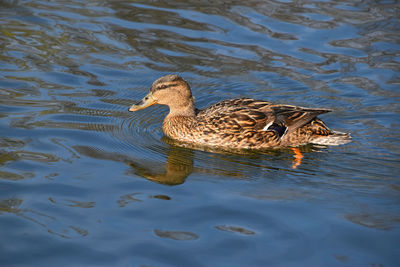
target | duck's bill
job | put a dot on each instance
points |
(147, 101)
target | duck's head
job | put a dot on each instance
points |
(170, 90)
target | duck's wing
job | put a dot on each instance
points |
(236, 114)
(294, 117)
(249, 114)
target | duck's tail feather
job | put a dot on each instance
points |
(334, 139)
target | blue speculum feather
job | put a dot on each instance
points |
(280, 129)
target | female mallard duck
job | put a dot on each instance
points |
(242, 123)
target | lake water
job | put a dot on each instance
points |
(84, 182)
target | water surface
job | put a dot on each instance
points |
(84, 182)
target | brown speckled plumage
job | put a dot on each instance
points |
(243, 123)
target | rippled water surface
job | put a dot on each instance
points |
(84, 182)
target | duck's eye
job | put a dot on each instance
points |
(163, 86)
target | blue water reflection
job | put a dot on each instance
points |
(84, 182)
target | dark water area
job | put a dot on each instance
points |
(84, 182)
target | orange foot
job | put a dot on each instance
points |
(297, 157)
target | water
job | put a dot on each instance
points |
(83, 182)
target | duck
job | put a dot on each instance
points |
(240, 123)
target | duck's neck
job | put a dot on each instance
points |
(179, 121)
(186, 110)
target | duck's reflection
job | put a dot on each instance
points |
(179, 163)
(178, 166)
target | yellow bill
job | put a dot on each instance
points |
(147, 101)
